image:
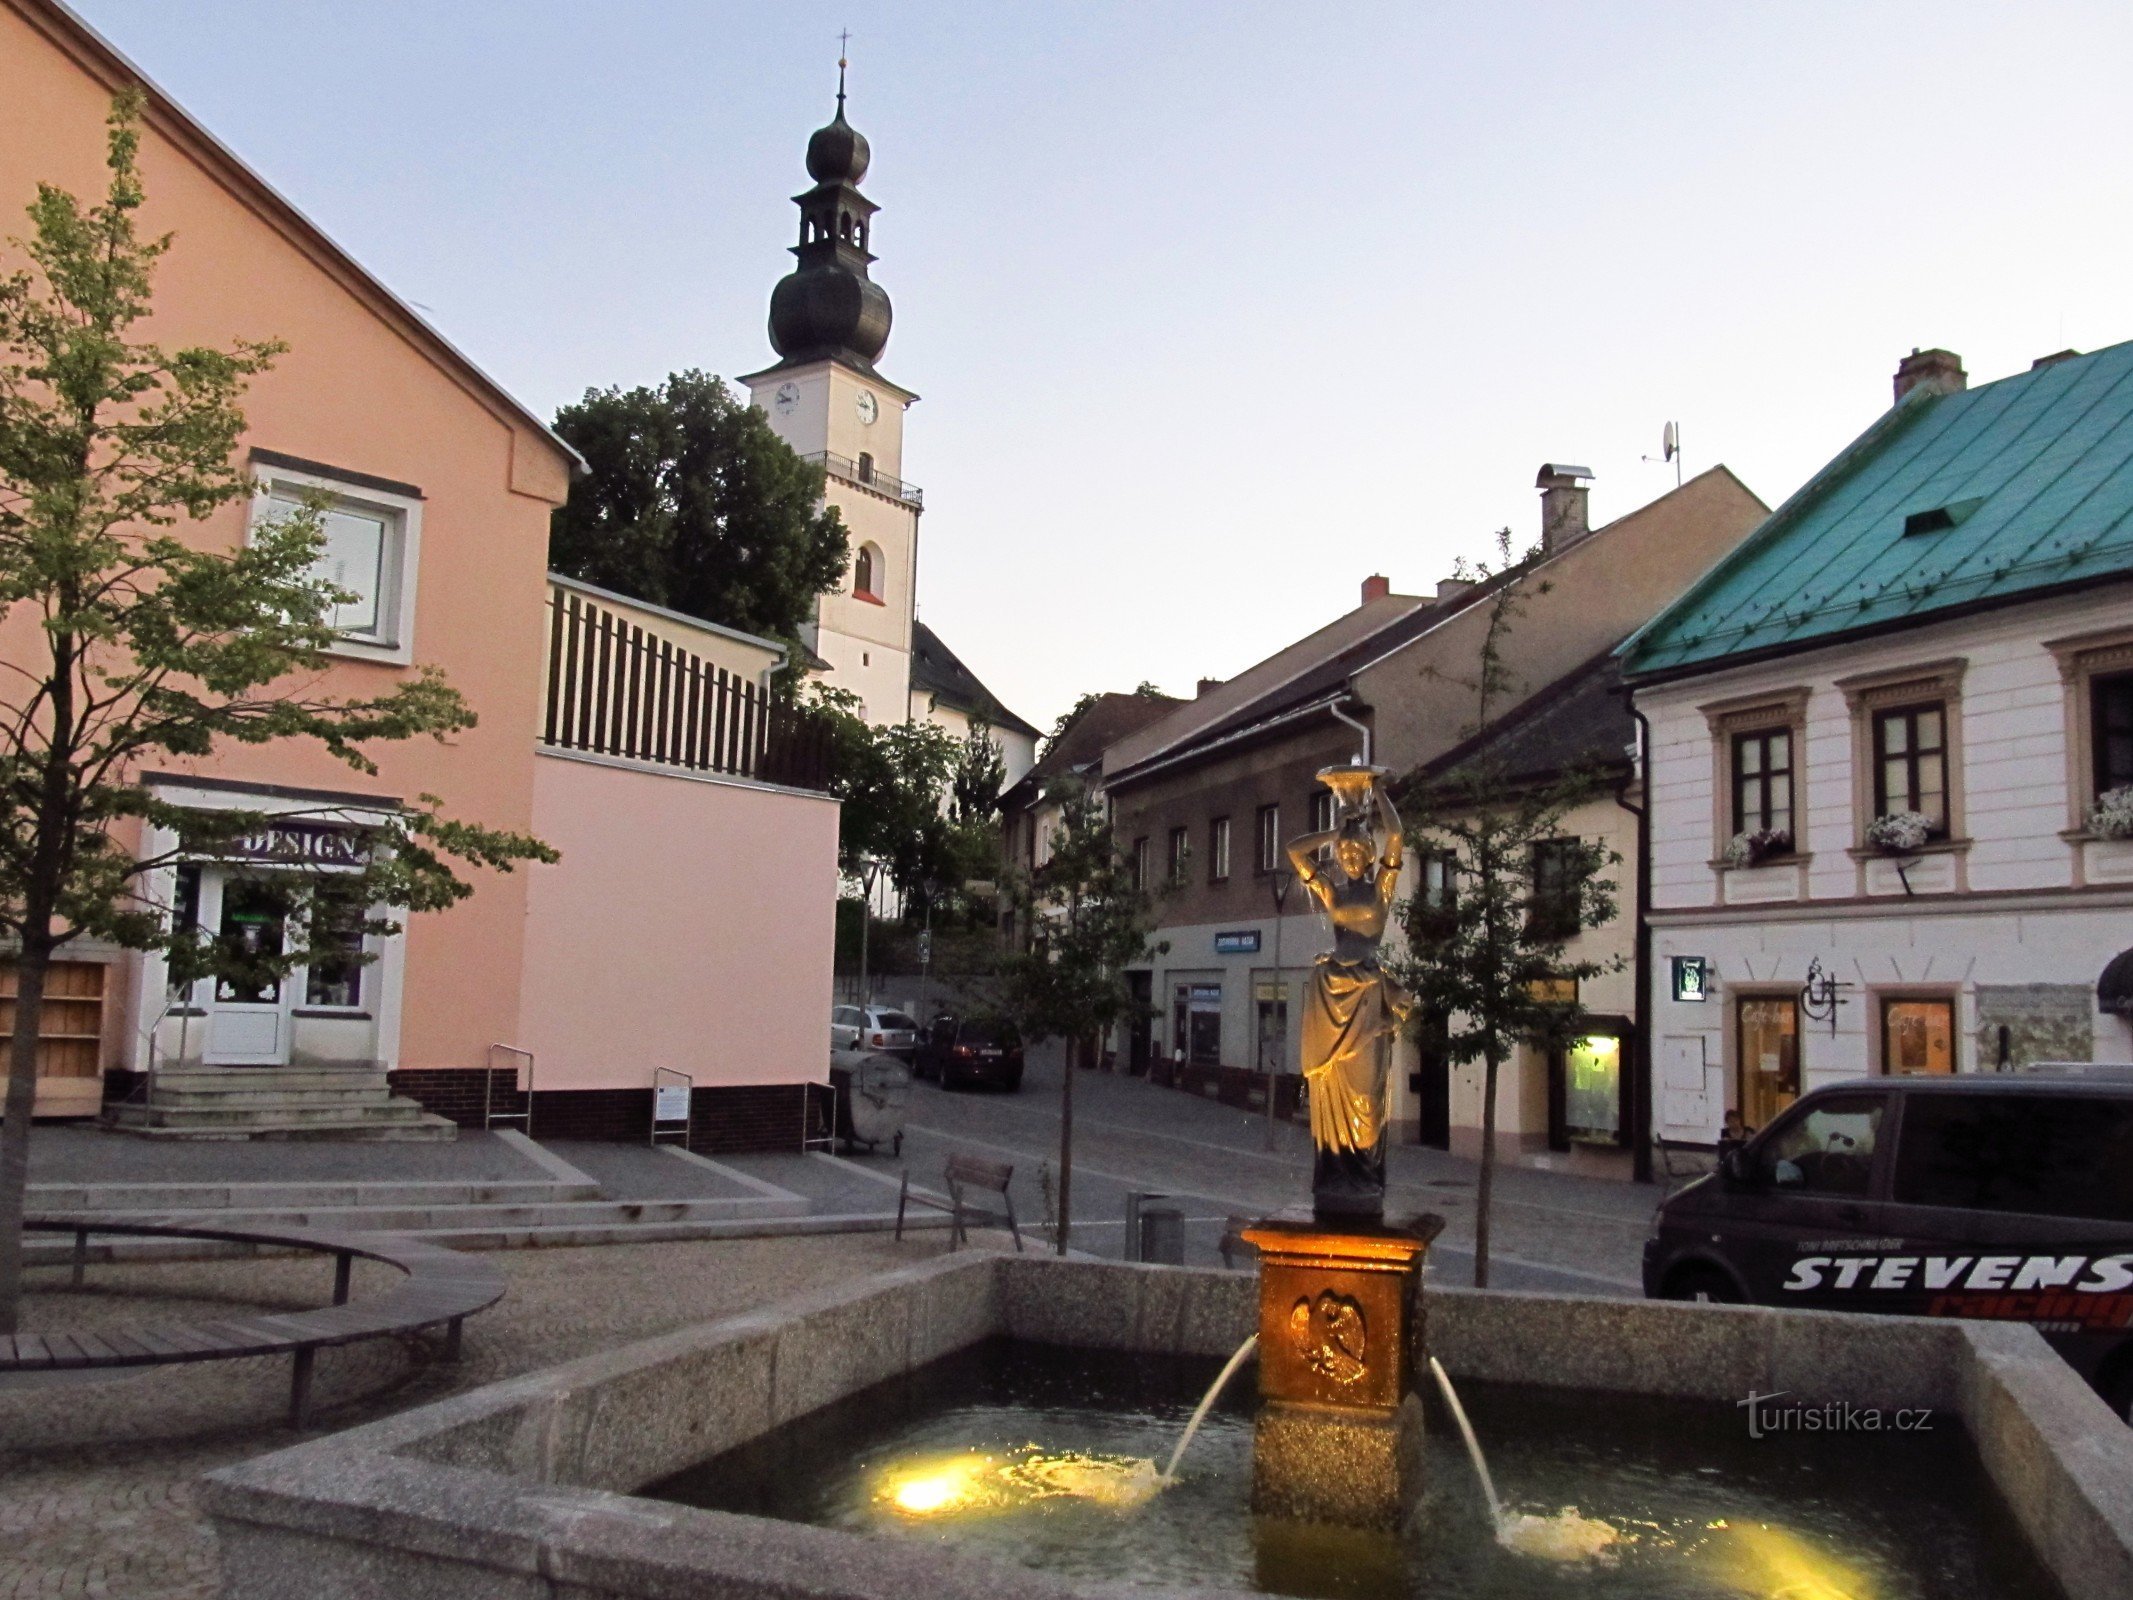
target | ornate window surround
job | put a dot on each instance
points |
(1868, 692)
(1753, 713)
(2083, 658)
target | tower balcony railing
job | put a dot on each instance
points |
(868, 476)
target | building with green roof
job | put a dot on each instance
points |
(1888, 757)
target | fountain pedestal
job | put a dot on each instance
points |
(1339, 1437)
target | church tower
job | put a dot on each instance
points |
(828, 323)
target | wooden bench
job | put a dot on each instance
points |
(963, 1173)
(442, 1288)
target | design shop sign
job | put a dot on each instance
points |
(301, 844)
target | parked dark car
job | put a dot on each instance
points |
(2007, 1197)
(969, 1052)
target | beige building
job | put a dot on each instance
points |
(1205, 797)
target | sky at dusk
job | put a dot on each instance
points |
(1216, 309)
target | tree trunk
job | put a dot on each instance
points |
(1066, 1143)
(1487, 1186)
(31, 965)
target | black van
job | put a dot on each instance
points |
(1981, 1195)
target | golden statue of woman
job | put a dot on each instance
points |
(1351, 1008)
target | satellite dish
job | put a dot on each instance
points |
(1670, 442)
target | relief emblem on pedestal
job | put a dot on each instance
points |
(1329, 1335)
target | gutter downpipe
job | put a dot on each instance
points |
(1360, 727)
(1640, 1080)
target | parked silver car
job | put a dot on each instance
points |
(874, 1028)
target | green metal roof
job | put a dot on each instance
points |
(2017, 486)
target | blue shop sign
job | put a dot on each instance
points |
(1240, 942)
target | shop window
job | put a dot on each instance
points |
(2047, 1155)
(334, 980)
(1767, 1042)
(1591, 1074)
(1762, 783)
(184, 918)
(1269, 824)
(1272, 1005)
(1218, 850)
(1180, 853)
(368, 549)
(1918, 1037)
(1828, 1151)
(1911, 764)
(2111, 731)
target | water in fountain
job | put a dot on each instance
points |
(1566, 1536)
(1207, 1400)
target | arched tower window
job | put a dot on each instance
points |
(867, 573)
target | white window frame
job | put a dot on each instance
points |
(398, 569)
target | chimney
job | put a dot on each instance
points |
(1449, 588)
(1376, 587)
(1935, 371)
(1563, 513)
(2053, 359)
(1207, 684)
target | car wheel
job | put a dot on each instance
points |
(1013, 1081)
(1701, 1283)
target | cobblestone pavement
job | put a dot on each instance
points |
(97, 1474)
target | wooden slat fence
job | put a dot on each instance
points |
(616, 690)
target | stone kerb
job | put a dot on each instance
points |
(510, 1491)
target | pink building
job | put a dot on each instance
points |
(688, 926)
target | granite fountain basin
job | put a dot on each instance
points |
(534, 1487)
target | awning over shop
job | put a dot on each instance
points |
(2114, 990)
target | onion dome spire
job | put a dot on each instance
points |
(828, 307)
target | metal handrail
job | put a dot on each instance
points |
(688, 1123)
(490, 1116)
(870, 477)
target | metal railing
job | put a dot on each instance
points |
(616, 690)
(490, 1116)
(868, 476)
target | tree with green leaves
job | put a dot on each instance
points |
(691, 501)
(1088, 921)
(1487, 951)
(130, 648)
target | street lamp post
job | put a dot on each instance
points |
(1283, 882)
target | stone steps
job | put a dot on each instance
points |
(277, 1103)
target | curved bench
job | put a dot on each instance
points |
(442, 1287)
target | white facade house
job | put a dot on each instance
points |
(1941, 624)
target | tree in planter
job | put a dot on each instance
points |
(128, 648)
(1089, 921)
(693, 502)
(1487, 951)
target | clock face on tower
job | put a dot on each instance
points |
(869, 408)
(786, 399)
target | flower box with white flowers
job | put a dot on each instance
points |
(1899, 833)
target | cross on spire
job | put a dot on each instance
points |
(843, 39)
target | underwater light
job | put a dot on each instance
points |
(938, 1486)
(1786, 1567)
(985, 1483)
